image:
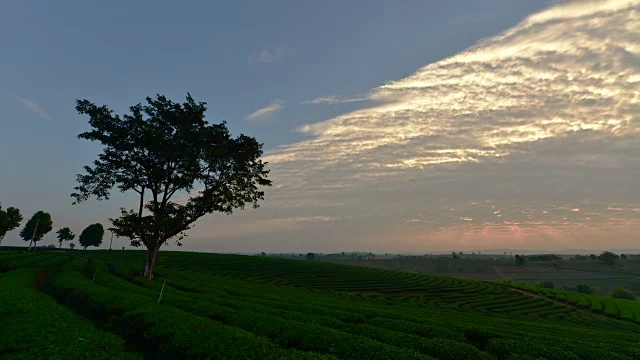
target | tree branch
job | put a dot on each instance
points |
(141, 192)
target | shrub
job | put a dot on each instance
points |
(548, 284)
(586, 288)
(620, 292)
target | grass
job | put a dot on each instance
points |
(231, 306)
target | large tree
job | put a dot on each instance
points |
(164, 151)
(91, 236)
(65, 234)
(9, 220)
(36, 228)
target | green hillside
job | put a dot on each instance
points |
(90, 304)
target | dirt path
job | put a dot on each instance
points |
(524, 292)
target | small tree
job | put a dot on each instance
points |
(65, 234)
(592, 256)
(9, 220)
(36, 228)
(72, 245)
(311, 256)
(519, 260)
(609, 258)
(620, 292)
(91, 236)
(586, 288)
(454, 256)
(163, 149)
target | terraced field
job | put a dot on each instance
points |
(89, 304)
(616, 308)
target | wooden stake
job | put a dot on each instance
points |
(161, 291)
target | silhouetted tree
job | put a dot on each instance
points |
(36, 228)
(454, 256)
(9, 219)
(91, 236)
(519, 260)
(160, 150)
(311, 256)
(72, 245)
(65, 234)
(609, 258)
(592, 256)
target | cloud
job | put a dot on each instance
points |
(268, 56)
(333, 100)
(33, 106)
(271, 109)
(492, 147)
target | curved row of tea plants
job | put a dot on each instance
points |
(34, 325)
(618, 308)
(225, 307)
(388, 286)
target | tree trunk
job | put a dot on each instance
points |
(60, 247)
(150, 262)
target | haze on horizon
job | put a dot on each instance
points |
(528, 139)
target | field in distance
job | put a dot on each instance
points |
(564, 272)
(91, 304)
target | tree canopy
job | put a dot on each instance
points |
(9, 219)
(91, 236)
(65, 234)
(163, 149)
(37, 227)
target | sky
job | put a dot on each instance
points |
(389, 126)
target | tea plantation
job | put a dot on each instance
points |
(91, 304)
